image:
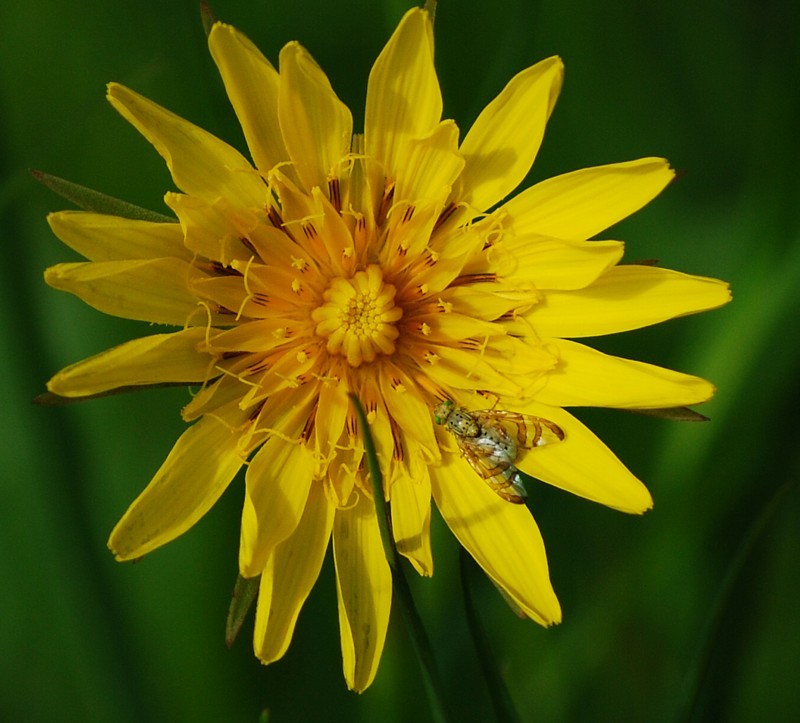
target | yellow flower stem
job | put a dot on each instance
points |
(90, 200)
(419, 638)
(501, 700)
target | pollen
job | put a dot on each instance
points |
(358, 317)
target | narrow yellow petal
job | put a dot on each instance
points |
(480, 303)
(403, 96)
(430, 166)
(149, 360)
(502, 537)
(291, 572)
(259, 335)
(502, 144)
(411, 514)
(316, 126)
(580, 204)
(625, 298)
(201, 164)
(154, 290)
(462, 369)
(330, 413)
(252, 84)
(210, 230)
(550, 263)
(582, 464)
(404, 402)
(196, 472)
(441, 327)
(99, 237)
(278, 482)
(364, 590)
(585, 377)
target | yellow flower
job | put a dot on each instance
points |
(340, 262)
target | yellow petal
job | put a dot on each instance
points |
(430, 167)
(330, 413)
(480, 303)
(550, 263)
(154, 290)
(403, 400)
(260, 335)
(580, 204)
(627, 297)
(364, 590)
(291, 572)
(316, 126)
(581, 464)
(502, 537)
(278, 481)
(209, 230)
(201, 164)
(585, 377)
(411, 513)
(403, 96)
(501, 145)
(441, 327)
(196, 472)
(150, 360)
(100, 237)
(252, 84)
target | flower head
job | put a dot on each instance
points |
(374, 264)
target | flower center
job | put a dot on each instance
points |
(358, 316)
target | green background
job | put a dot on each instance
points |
(711, 86)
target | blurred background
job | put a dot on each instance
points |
(707, 581)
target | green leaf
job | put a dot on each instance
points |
(91, 200)
(676, 414)
(242, 597)
(207, 17)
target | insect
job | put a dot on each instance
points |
(490, 440)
